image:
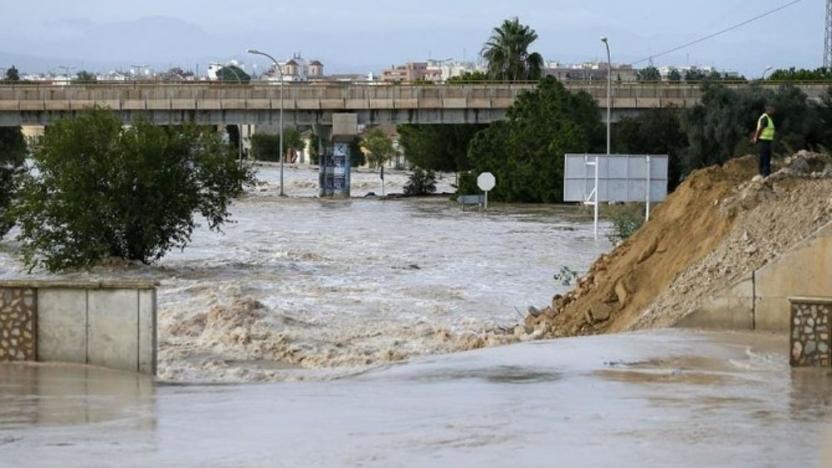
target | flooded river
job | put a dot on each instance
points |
(649, 399)
(356, 302)
(301, 288)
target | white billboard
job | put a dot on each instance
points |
(621, 177)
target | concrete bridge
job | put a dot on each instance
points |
(308, 104)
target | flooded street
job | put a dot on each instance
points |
(649, 399)
(301, 288)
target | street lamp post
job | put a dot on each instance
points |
(276, 66)
(609, 132)
(609, 95)
(765, 72)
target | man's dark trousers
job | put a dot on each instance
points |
(765, 157)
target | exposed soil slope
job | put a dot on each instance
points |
(720, 224)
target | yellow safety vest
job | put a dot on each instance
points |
(769, 130)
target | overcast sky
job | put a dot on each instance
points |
(367, 35)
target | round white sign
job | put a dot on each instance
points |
(486, 182)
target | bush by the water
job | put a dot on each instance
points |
(421, 182)
(626, 220)
(266, 147)
(12, 155)
(99, 189)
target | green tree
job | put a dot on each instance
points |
(654, 131)
(650, 73)
(233, 74)
(379, 147)
(468, 77)
(793, 74)
(526, 151)
(84, 76)
(99, 189)
(823, 110)
(357, 158)
(12, 156)
(507, 53)
(695, 74)
(719, 128)
(233, 132)
(674, 75)
(266, 147)
(442, 148)
(12, 74)
(314, 149)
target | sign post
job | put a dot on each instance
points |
(486, 182)
(617, 178)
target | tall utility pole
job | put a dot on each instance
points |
(827, 45)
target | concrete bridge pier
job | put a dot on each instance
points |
(335, 165)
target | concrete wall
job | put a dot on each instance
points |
(110, 325)
(731, 310)
(761, 301)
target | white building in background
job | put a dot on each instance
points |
(213, 69)
(706, 70)
(296, 68)
(589, 71)
(444, 70)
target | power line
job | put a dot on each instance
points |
(719, 33)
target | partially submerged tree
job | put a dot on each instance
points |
(526, 151)
(420, 182)
(379, 147)
(266, 147)
(441, 148)
(12, 156)
(100, 190)
(507, 53)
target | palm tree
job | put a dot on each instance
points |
(507, 53)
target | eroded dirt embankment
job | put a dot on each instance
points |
(721, 224)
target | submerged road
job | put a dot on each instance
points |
(650, 399)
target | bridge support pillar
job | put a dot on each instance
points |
(335, 165)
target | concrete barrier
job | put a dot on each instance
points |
(106, 324)
(761, 301)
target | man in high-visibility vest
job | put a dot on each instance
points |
(764, 138)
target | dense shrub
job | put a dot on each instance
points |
(98, 190)
(421, 182)
(12, 156)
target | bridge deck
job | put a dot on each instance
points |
(209, 102)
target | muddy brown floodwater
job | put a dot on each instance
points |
(649, 399)
(355, 301)
(301, 288)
